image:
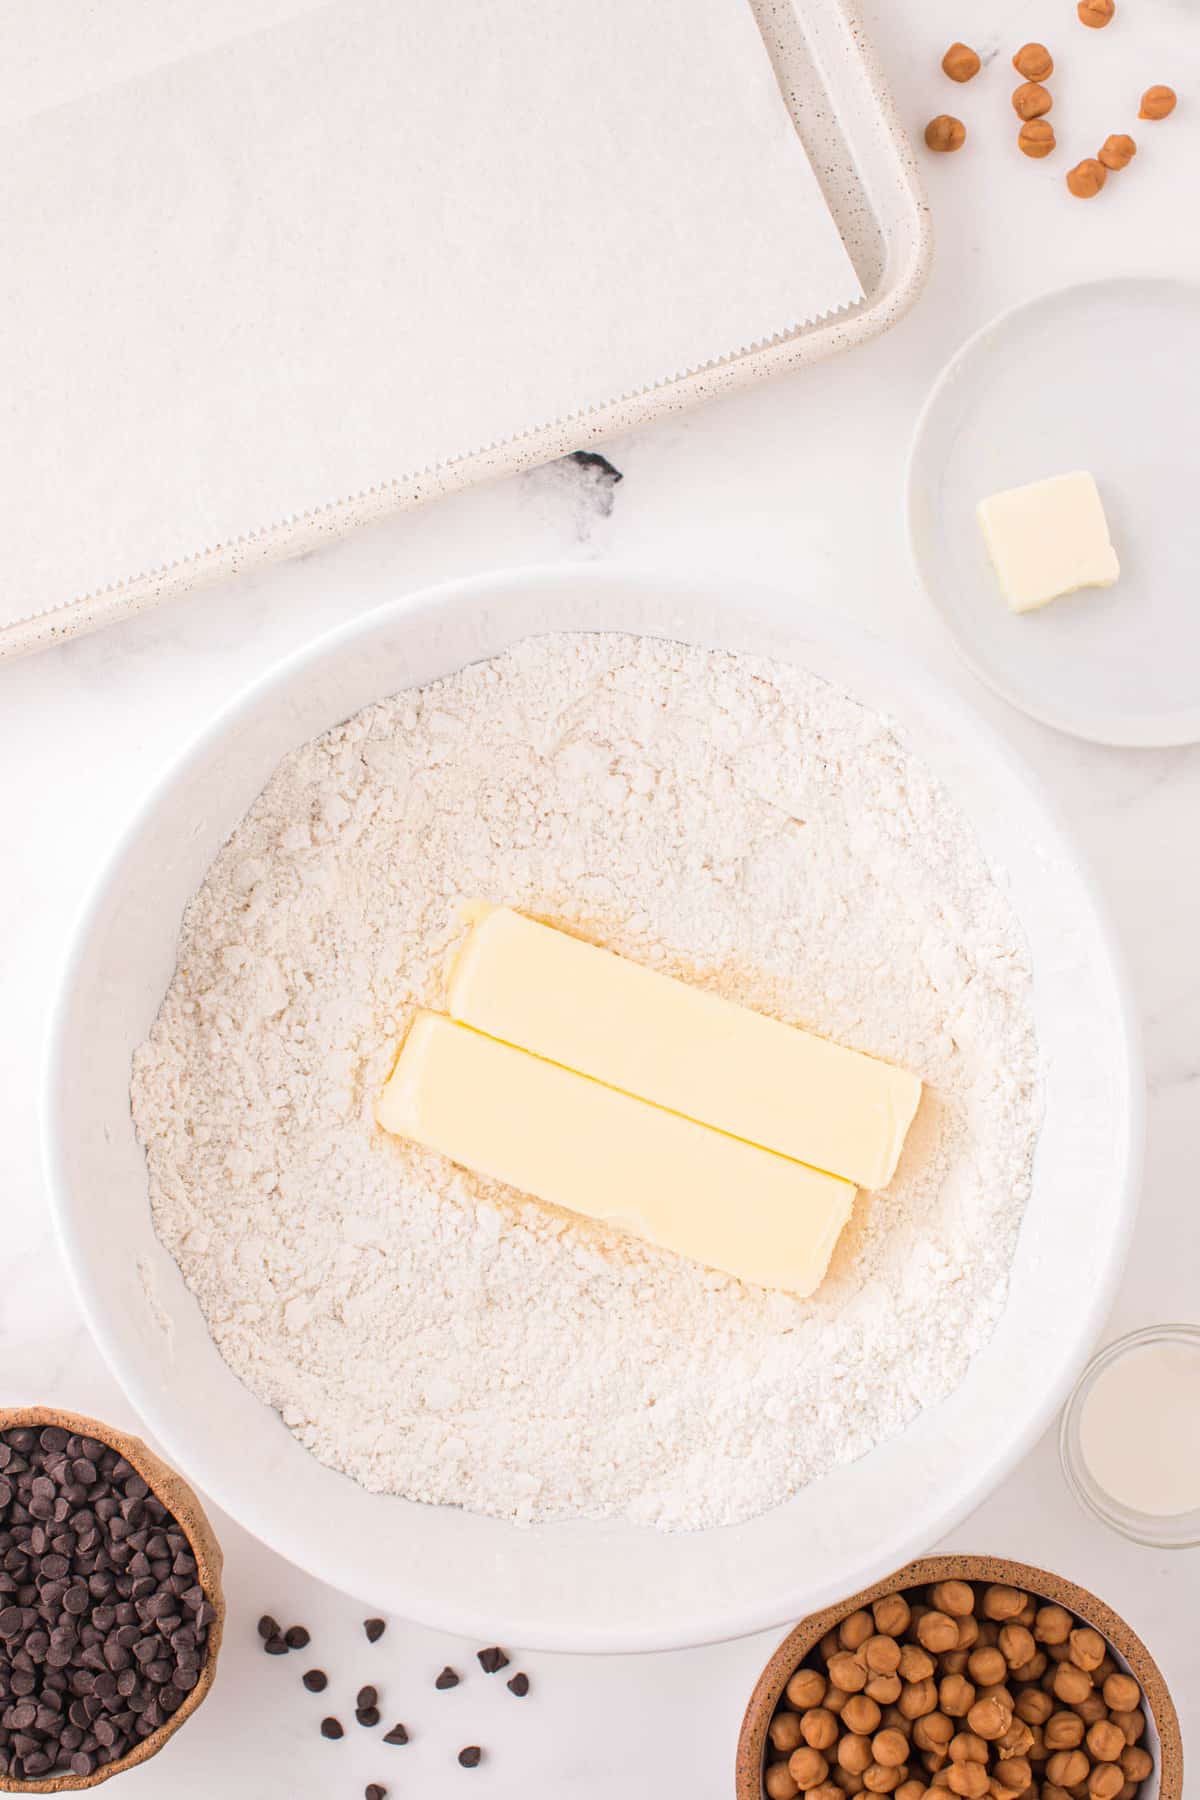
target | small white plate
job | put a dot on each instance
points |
(1104, 376)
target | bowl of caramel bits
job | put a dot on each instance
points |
(962, 1676)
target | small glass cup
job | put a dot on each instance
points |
(1163, 1531)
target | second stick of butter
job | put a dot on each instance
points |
(682, 1047)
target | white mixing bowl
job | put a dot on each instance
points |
(589, 1586)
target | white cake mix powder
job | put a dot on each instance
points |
(737, 823)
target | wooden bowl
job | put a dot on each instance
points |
(178, 1497)
(1165, 1784)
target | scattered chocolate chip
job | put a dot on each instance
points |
(331, 1728)
(267, 1626)
(315, 1680)
(471, 1757)
(373, 1791)
(367, 1715)
(519, 1685)
(397, 1735)
(492, 1660)
(374, 1629)
(296, 1638)
(275, 1646)
(103, 1622)
(367, 1696)
(447, 1679)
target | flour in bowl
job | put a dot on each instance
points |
(733, 822)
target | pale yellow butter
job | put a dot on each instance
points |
(562, 1138)
(1048, 539)
(681, 1047)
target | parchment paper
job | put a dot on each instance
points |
(263, 256)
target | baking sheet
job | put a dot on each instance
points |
(360, 242)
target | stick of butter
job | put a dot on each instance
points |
(1048, 539)
(682, 1048)
(580, 1145)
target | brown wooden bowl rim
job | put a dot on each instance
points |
(192, 1520)
(796, 1645)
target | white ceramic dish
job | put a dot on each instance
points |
(1103, 377)
(589, 1586)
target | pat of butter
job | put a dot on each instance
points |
(681, 1047)
(573, 1142)
(1047, 539)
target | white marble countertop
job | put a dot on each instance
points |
(798, 483)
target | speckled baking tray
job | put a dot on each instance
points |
(836, 94)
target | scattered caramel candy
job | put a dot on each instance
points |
(1066, 1767)
(1105, 1741)
(1031, 100)
(1063, 1731)
(819, 1730)
(846, 1672)
(1087, 1648)
(1118, 152)
(954, 1597)
(1105, 1781)
(881, 1655)
(854, 1631)
(989, 1719)
(936, 1632)
(970, 1780)
(1016, 1645)
(779, 1784)
(1036, 137)
(861, 1715)
(807, 1768)
(1052, 1625)
(1157, 102)
(1096, 13)
(1121, 1693)
(807, 1688)
(945, 133)
(1034, 62)
(890, 1748)
(786, 1734)
(854, 1753)
(1072, 1685)
(1087, 178)
(960, 62)
(892, 1614)
(1001, 1603)
(933, 1732)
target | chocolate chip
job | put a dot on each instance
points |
(373, 1791)
(331, 1728)
(367, 1696)
(471, 1757)
(315, 1680)
(268, 1627)
(296, 1637)
(374, 1629)
(367, 1715)
(519, 1685)
(492, 1660)
(447, 1679)
(275, 1646)
(92, 1662)
(397, 1735)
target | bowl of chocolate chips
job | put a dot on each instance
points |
(110, 1602)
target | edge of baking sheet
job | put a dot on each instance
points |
(841, 106)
